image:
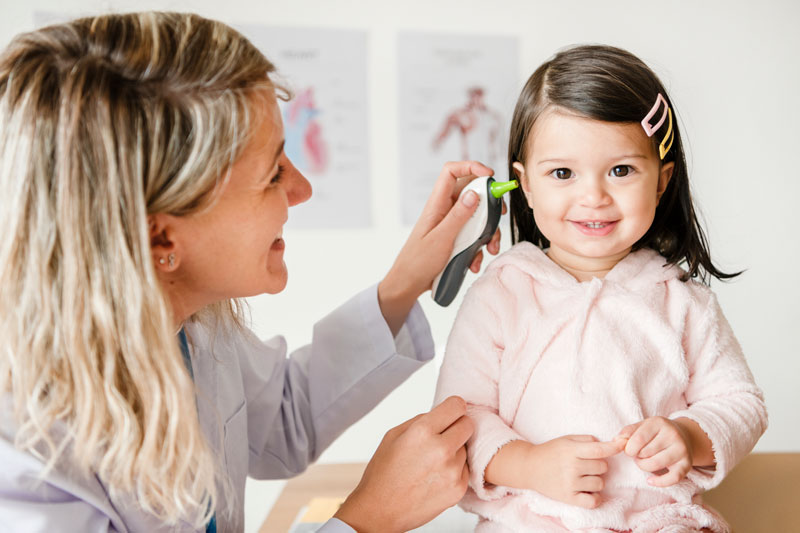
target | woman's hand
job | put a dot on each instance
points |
(568, 469)
(667, 448)
(430, 244)
(418, 471)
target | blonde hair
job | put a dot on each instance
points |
(104, 121)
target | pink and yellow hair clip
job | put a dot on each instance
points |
(666, 142)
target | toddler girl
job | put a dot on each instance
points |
(606, 386)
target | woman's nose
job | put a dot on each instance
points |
(298, 188)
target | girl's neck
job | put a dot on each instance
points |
(585, 268)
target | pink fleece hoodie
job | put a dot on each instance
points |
(538, 355)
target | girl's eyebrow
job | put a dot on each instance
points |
(566, 160)
(631, 156)
(554, 160)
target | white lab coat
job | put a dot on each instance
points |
(267, 415)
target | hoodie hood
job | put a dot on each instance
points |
(636, 270)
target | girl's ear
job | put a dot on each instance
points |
(663, 178)
(519, 170)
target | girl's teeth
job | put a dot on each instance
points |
(595, 225)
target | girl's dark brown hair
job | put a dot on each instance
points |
(612, 85)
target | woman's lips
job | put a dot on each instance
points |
(595, 228)
(278, 244)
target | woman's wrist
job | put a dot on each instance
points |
(396, 299)
(366, 516)
(350, 514)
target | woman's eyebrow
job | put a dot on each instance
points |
(279, 151)
(268, 170)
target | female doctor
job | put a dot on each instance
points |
(143, 188)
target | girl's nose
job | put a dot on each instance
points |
(594, 193)
(298, 189)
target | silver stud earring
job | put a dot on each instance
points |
(161, 261)
(171, 258)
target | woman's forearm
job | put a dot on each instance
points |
(395, 299)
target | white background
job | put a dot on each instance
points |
(733, 71)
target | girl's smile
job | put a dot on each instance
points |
(595, 227)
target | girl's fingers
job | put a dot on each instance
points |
(594, 467)
(676, 473)
(587, 500)
(659, 461)
(590, 484)
(598, 450)
(582, 438)
(640, 438)
(627, 431)
(660, 442)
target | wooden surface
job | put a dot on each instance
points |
(761, 495)
(319, 481)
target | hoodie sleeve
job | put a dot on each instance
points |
(722, 396)
(471, 369)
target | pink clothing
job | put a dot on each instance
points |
(538, 355)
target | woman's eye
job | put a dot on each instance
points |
(562, 173)
(277, 177)
(621, 171)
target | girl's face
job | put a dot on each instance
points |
(593, 187)
(235, 247)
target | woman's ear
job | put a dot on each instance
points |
(665, 174)
(163, 248)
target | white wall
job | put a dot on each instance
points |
(733, 71)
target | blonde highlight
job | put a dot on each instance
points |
(103, 122)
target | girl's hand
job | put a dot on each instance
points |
(418, 471)
(428, 248)
(667, 448)
(568, 469)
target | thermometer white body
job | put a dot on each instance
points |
(476, 232)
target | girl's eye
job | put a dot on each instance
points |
(562, 173)
(620, 171)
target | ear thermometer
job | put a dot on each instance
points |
(476, 232)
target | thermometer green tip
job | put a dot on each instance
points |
(499, 188)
